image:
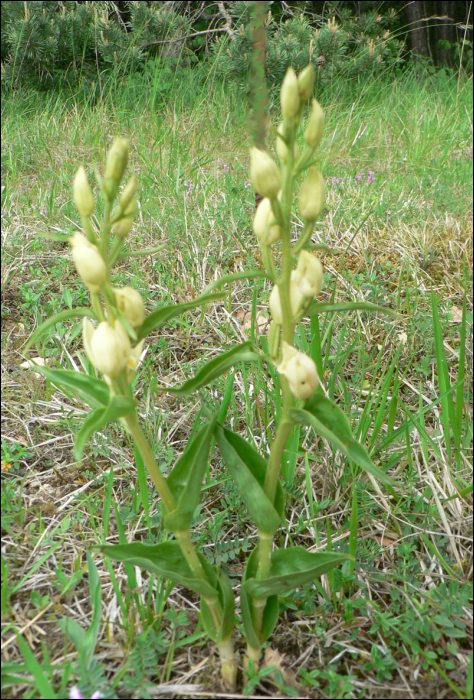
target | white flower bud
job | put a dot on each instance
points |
(130, 303)
(87, 333)
(117, 159)
(108, 348)
(261, 222)
(306, 82)
(315, 125)
(300, 371)
(115, 164)
(264, 173)
(310, 274)
(88, 261)
(296, 298)
(282, 148)
(128, 192)
(275, 305)
(290, 94)
(117, 342)
(124, 225)
(311, 195)
(83, 197)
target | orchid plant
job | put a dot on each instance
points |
(115, 327)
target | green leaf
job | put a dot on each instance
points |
(327, 419)
(318, 307)
(165, 559)
(95, 596)
(226, 598)
(186, 477)
(160, 316)
(261, 510)
(256, 464)
(226, 279)
(118, 406)
(292, 567)
(62, 316)
(94, 391)
(43, 686)
(270, 614)
(214, 368)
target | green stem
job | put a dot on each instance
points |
(285, 425)
(183, 536)
(97, 306)
(190, 554)
(105, 227)
(115, 251)
(305, 236)
(87, 226)
(150, 461)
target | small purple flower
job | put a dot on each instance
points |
(43, 211)
(226, 167)
(246, 184)
(189, 184)
(75, 694)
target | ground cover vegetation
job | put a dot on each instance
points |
(396, 231)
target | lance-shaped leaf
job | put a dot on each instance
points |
(165, 559)
(118, 406)
(186, 477)
(318, 307)
(62, 316)
(92, 390)
(270, 614)
(331, 423)
(226, 598)
(246, 470)
(292, 567)
(226, 279)
(214, 368)
(160, 316)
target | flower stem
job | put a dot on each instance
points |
(285, 425)
(150, 461)
(228, 666)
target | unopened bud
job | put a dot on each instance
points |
(117, 159)
(128, 192)
(296, 299)
(124, 225)
(264, 216)
(264, 173)
(299, 370)
(289, 94)
(273, 339)
(306, 82)
(315, 125)
(282, 148)
(83, 197)
(312, 194)
(130, 303)
(310, 274)
(88, 261)
(108, 348)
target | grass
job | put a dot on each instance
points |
(397, 158)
